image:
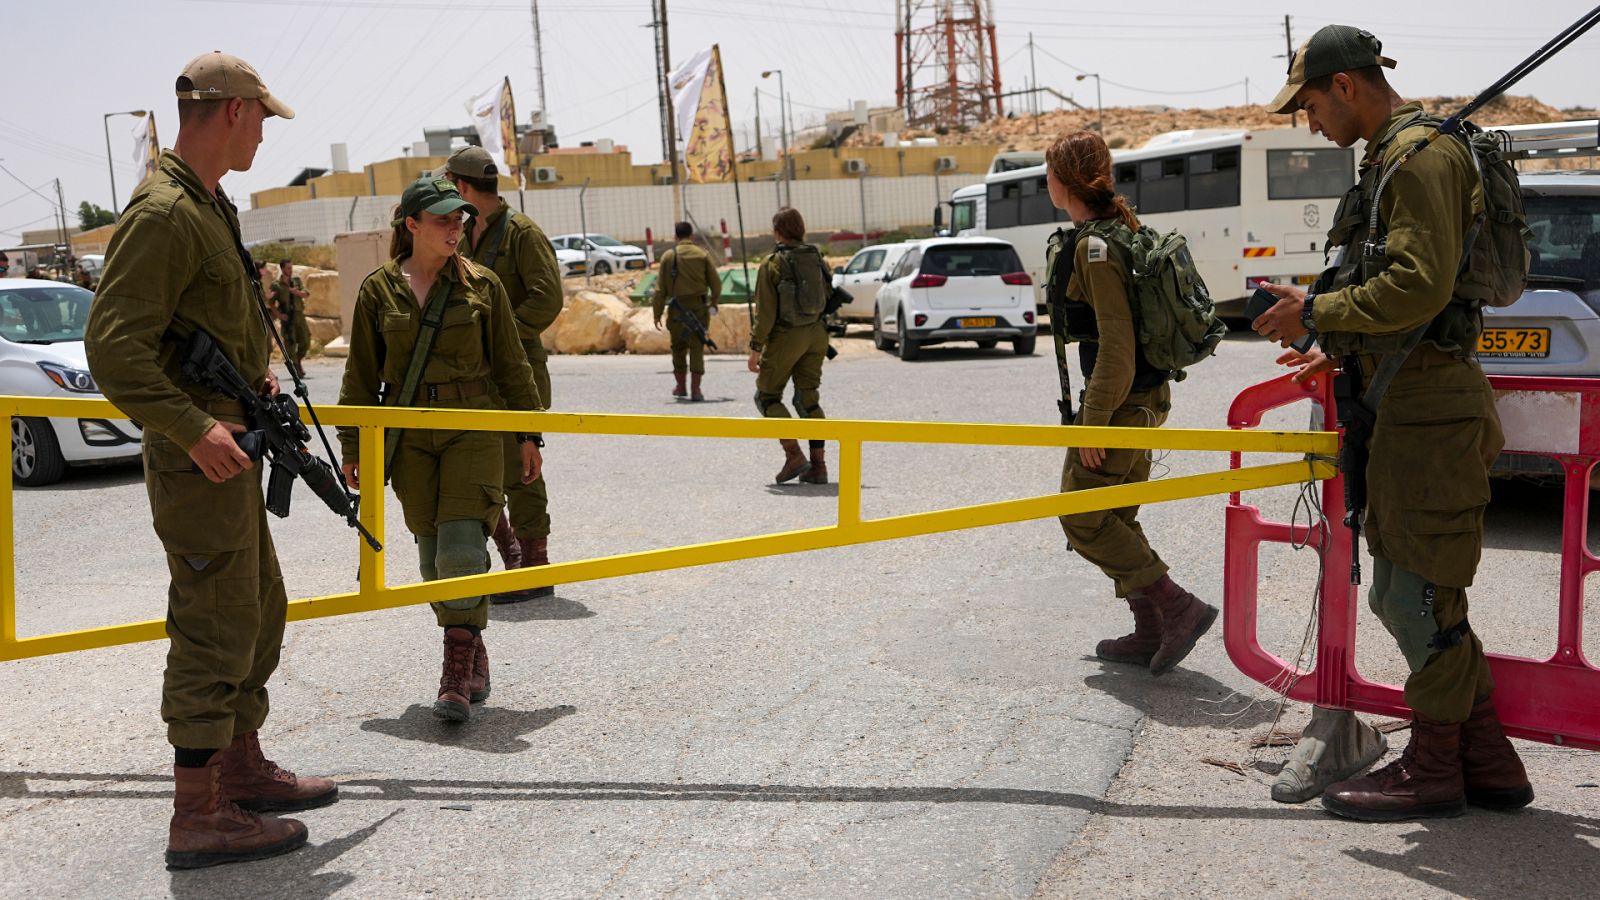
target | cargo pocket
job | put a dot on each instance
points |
(460, 339)
(195, 519)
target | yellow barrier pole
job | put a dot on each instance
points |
(373, 575)
(8, 550)
(849, 483)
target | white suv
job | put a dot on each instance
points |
(605, 254)
(956, 289)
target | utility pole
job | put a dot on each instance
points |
(1288, 54)
(1033, 79)
(1247, 92)
(538, 57)
(66, 240)
(671, 114)
(759, 153)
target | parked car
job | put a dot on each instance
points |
(955, 289)
(863, 276)
(42, 355)
(604, 253)
(572, 262)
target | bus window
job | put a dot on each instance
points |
(1036, 206)
(1214, 179)
(1127, 178)
(1309, 174)
(1005, 205)
(962, 215)
(1161, 185)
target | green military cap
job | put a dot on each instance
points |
(470, 161)
(432, 194)
(1334, 48)
(220, 76)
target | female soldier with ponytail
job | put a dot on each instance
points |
(449, 482)
(1088, 284)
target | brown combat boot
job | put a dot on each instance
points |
(1183, 620)
(694, 386)
(794, 462)
(208, 829)
(1424, 783)
(1491, 771)
(258, 784)
(678, 390)
(455, 682)
(479, 686)
(533, 552)
(1136, 648)
(505, 541)
(819, 467)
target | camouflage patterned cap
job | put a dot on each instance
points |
(1334, 48)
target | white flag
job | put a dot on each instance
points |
(146, 145)
(495, 118)
(686, 81)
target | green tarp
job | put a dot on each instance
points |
(733, 286)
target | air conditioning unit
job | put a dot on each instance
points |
(545, 175)
(664, 179)
(944, 164)
(856, 166)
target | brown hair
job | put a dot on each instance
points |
(788, 223)
(488, 184)
(1082, 162)
(401, 244)
(1372, 75)
(195, 112)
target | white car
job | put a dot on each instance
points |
(956, 289)
(42, 355)
(863, 276)
(605, 254)
(571, 261)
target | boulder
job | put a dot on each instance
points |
(323, 286)
(591, 322)
(323, 330)
(639, 333)
(337, 347)
(730, 328)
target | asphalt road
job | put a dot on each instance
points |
(921, 718)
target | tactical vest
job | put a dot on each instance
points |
(1363, 256)
(1072, 319)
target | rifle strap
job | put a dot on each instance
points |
(1055, 296)
(432, 315)
(496, 240)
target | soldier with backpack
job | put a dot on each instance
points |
(1097, 302)
(789, 340)
(1432, 231)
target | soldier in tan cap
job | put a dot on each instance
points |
(176, 265)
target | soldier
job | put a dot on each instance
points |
(512, 246)
(176, 265)
(433, 329)
(788, 338)
(289, 299)
(1088, 273)
(1436, 432)
(687, 275)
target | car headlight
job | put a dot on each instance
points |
(78, 381)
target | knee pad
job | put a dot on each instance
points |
(770, 406)
(462, 551)
(427, 550)
(808, 404)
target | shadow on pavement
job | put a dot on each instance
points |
(1184, 697)
(804, 490)
(540, 609)
(492, 729)
(294, 874)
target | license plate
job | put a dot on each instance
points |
(978, 323)
(1514, 343)
(634, 264)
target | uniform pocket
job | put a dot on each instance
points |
(194, 518)
(460, 338)
(223, 267)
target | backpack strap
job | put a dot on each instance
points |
(432, 316)
(496, 240)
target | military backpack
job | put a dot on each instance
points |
(805, 286)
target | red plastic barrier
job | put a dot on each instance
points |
(1554, 700)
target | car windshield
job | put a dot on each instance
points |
(971, 260)
(44, 315)
(1566, 238)
(601, 240)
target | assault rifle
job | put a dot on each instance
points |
(276, 432)
(692, 322)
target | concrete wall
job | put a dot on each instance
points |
(625, 212)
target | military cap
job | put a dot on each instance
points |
(1334, 48)
(471, 162)
(220, 76)
(432, 194)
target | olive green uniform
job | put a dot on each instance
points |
(296, 331)
(1112, 539)
(444, 478)
(1437, 431)
(788, 350)
(687, 275)
(514, 247)
(175, 263)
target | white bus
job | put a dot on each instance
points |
(1253, 204)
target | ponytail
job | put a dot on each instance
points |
(1082, 162)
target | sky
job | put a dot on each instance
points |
(374, 73)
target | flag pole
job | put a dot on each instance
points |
(733, 159)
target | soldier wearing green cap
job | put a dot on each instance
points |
(176, 265)
(432, 329)
(1436, 432)
(512, 246)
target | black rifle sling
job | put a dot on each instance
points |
(432, 315)
(496, 240)
(1056, 297)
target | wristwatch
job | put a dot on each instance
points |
(529, 438)
(1307, 318)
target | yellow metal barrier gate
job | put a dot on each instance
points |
(374, 594)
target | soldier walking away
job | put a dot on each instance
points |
(432, 329)
(1087, 272)
(289, 300)
(789, 339)
(176, 265)
(1402, 306)
(515, 249)
(686, 278)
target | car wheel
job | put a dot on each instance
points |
(908, 349)
(1023, 346)
(36, 458)
(988, 344)
(602, 268)
(879, 339)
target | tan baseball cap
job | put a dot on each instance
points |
(472, 161)
(1333, 49)
(220, 76)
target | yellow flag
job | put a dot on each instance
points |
(708, 152)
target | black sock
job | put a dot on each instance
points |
(818, 445)
(187, 758)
